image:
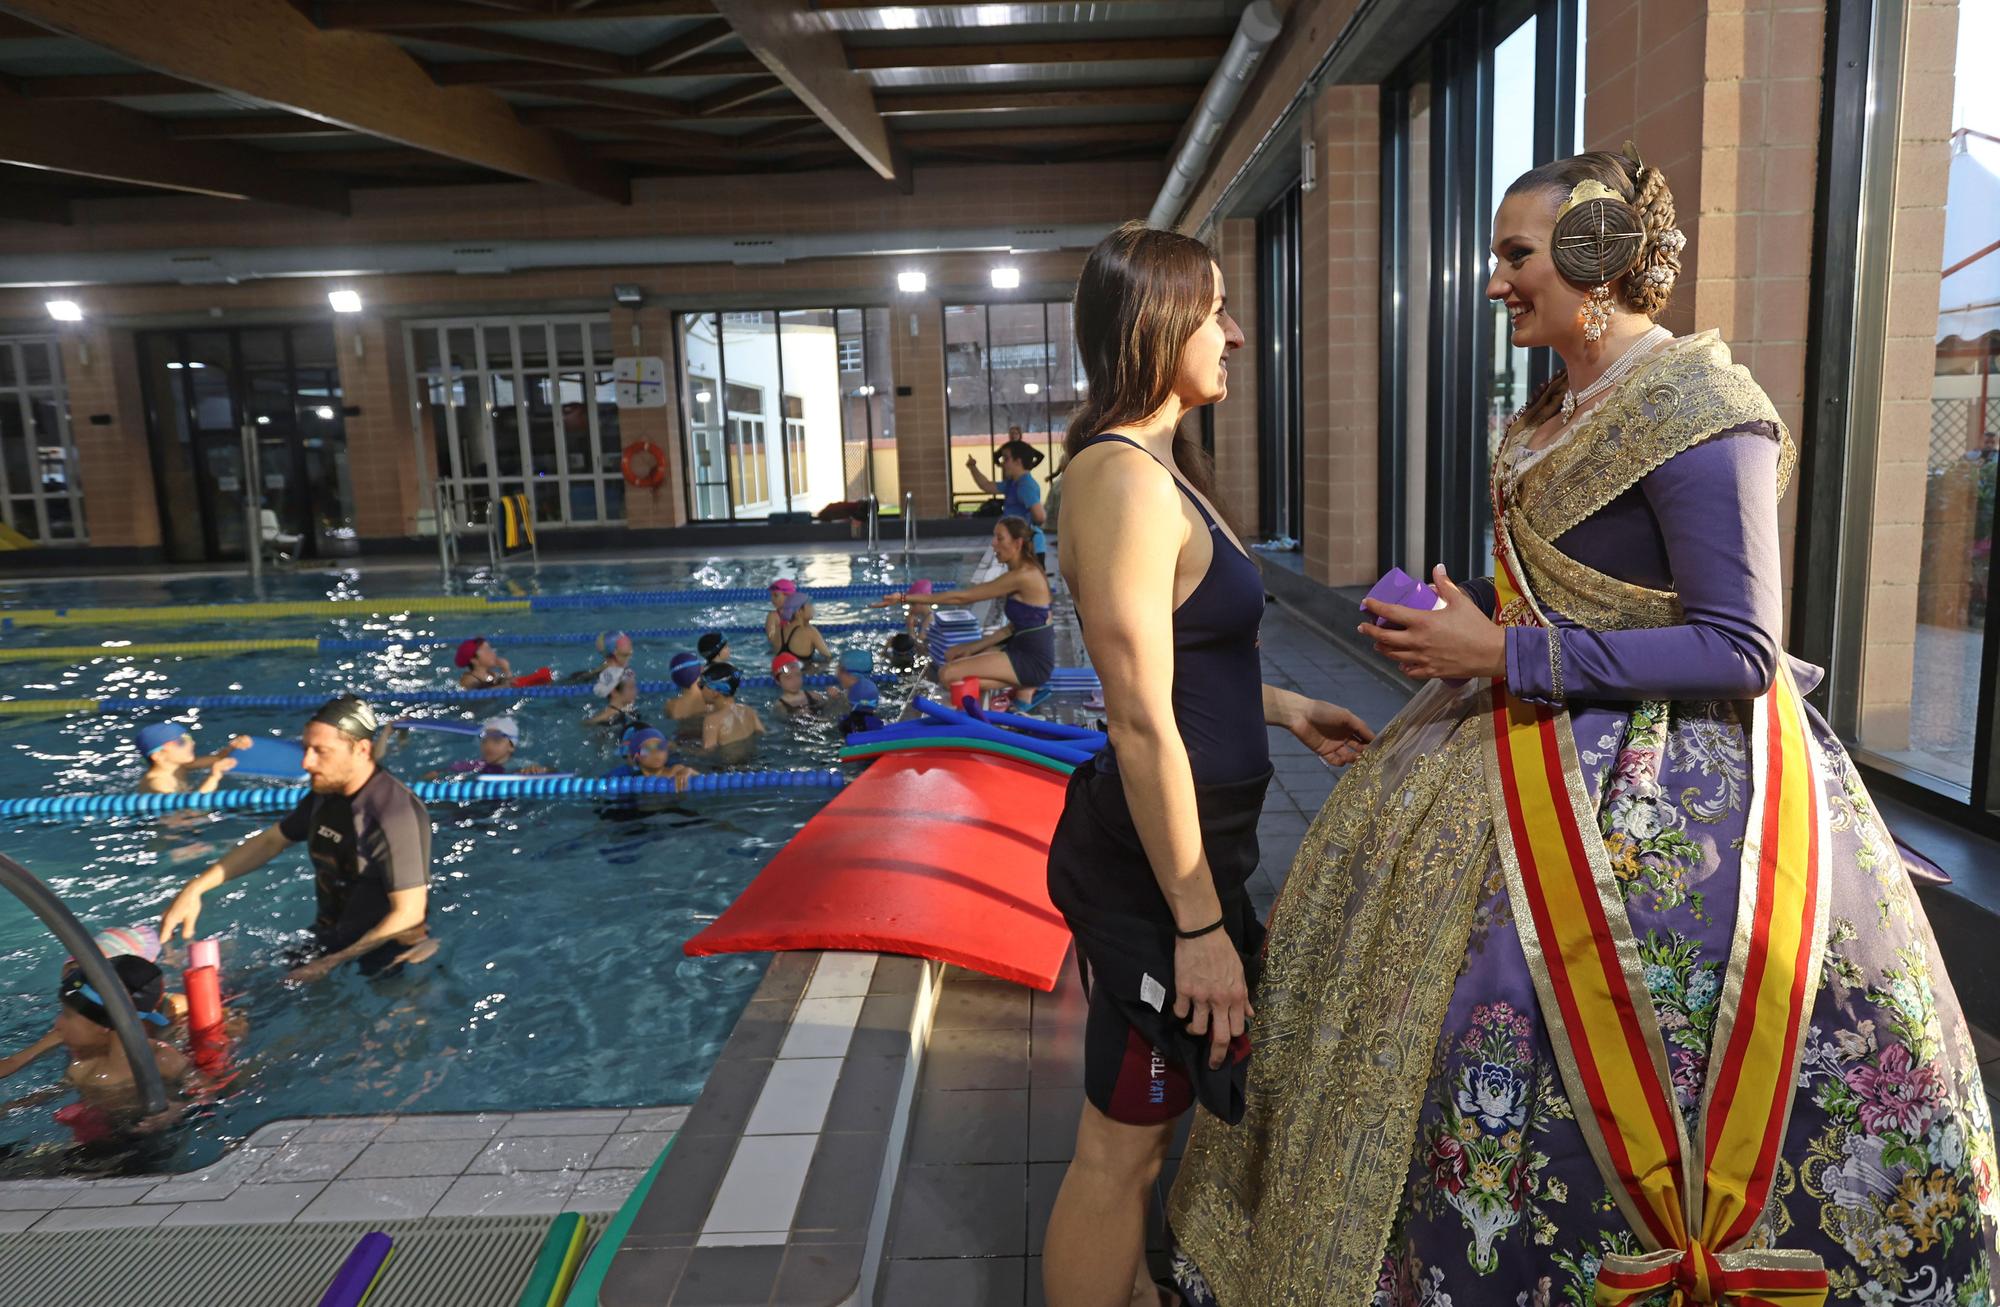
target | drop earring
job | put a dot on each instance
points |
(1595, 313)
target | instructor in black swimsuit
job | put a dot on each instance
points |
(370, 843)
(1159, 833)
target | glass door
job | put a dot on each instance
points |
(1280, 379)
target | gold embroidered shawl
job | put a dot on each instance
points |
(1292, 1208)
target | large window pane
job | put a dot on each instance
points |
(968, 410)
(701, 392)
(39, 496)
(815, 465)
(750, 412)
(1007, 367)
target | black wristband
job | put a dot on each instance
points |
(1209, 929)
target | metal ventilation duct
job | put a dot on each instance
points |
(1255, 31)
(227, 266)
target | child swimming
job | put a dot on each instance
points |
(168, 749)
(855, 665)
(713, 648)
(796, 634)
(142, 942)
(685, 706)
(98, 1069)
(793, 697)
(647, 750)
(480, 665)
(498, 738)
(619, 688)
(728, 722)
(864, 701)
(781, 590)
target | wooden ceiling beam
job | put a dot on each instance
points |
(522, 47)
(105, 86)
(729, 97)
(1032, 137)
(678, 49)
(398, 17)
(874, 57)
(124, 145)
(525, 72)
(607, 97)
(775, 133)
(265, 50)
(900, 103)
(28, 202)
(811, 60)
(395, 158)
(250, 126)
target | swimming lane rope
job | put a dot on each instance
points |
(510, 693)
(282, 799)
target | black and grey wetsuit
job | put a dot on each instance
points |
(364, 847)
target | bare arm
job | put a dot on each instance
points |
(406, 913)
(1007, 583)
(42, 1047)
(245, 858)
(979, 478)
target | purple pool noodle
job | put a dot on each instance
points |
(357, 1274)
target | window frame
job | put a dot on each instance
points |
(22, 394)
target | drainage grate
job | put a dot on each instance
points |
(474, 1261)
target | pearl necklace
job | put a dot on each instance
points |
(1574, 399)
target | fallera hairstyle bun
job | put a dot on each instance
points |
(1618, 230)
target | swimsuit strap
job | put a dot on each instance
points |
(1193, 498)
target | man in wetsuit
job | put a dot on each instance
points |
(370, 843)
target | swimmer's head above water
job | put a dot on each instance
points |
(789, 673)
(617, 686)
(854, 664)
(166, 741)
(646, 747)
(84, 1023)
(720, 681)
(713, 647)
(498, 738)
(476, 654)
(340, 745)
(685, 669)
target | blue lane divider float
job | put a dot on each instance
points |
(446, 792)
(1067, 744)
(740, 595)
(329, 644)
(504, 692)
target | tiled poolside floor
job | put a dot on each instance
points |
(378, 1168)
(995, 1117)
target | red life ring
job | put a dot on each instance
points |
(651, 478)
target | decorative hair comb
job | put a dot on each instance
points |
(1584, 193)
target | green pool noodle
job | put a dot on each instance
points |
(555, 1265)
(583, 1293)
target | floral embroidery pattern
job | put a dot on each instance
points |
(1710, 743)
(1644, 833)
(1479, 1155)
(1685, 991)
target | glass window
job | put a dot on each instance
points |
(39, 494)
(501, 421)
(1002, 365)
(814, 457)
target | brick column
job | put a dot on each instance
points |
(113, 462)
(389, 486)
(917, 361)
(1340, 271)
(1236, 451)
(666, 506)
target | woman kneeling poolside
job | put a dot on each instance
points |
(1023, 653)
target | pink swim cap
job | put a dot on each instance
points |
(468, 650)
(920, 587)
(784, 585)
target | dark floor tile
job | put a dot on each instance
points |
(642, 1276)
(785, 979)
(1035, 1297)
(884, 1026)
(865, 1097)
(759, 1031)
(976, 1059)
(1044, 1180)
(726, 1100)
(956, 1282)
(897, 975)
(960, 1211)
(841, 1185)
(970, 1125)
(678, 1201)
(1057, 1059)
(983, 1004)
(1053, 1111)
(817, 1275)
(729, 1277)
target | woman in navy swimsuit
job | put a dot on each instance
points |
(1023, 652)
(1160, 832)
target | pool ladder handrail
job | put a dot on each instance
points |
(909, 533)
(117, 1003)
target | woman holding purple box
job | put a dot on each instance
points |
(1598, 978)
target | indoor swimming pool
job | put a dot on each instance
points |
(560, 981)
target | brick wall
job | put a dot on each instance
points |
(381, 453)
(1236, 464)
(112, 462)
(1903, 417)
(916, 353)
(1340, 272)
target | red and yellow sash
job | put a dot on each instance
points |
(1585, 961)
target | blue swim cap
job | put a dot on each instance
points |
(636, 741)
(685, 668)
(864, 692)
(721, 677)
(158, 736)
(858, 661)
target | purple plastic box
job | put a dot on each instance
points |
(1399, 587)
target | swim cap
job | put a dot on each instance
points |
(468, 650)
(143, 983)
(858, 661)
(506, 726)
(607, 641)
(636, 741)
(919, 588)
(784, 585)
(783, 663)
(610, 679)
(722, 677)
(710, 645)
(793, 603)
(864, 691)
(158, 736)
(350, 716)
(685, 668)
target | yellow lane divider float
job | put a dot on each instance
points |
(78, 652)
(236, 612)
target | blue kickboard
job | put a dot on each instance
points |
(267, 757)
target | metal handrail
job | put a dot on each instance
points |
(909, 532)
(253, 521)
(69, 932)
(874, 526)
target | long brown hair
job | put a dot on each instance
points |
(1142, 294)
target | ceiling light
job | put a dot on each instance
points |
(65, 310)
(898, 18)
(197, 365)
(263, 420)
(344, 301)
(323, 413)
(1032, 388)
(1006, 278)
(703, 396)
(628, 293)
(912, 283)
(174, 367)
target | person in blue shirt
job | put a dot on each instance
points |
(1021, 496)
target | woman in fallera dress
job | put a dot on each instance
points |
(1598, 979)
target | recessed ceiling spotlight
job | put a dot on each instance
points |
(1006, 278)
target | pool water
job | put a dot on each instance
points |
(559, 981)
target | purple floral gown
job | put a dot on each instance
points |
(1887, 1167)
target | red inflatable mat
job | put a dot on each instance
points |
(939, 853)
